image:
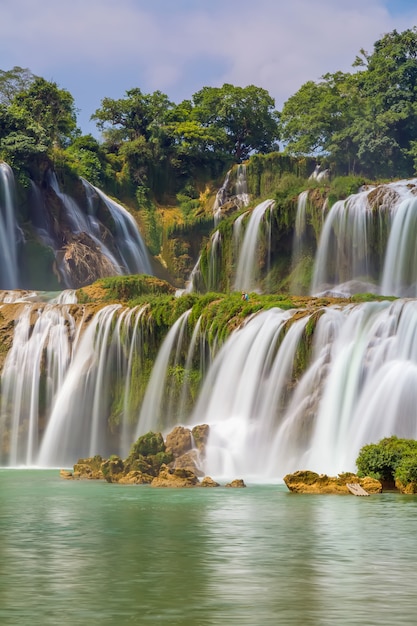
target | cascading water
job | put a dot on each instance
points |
(102, 363)
(367, 243)
(242, 194)
(127, 237)
(34, 369)
(277, 396)
(157, 408)
(247, 274)
(220, 199)
(10, 233)
(272, 405)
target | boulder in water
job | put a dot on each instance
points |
(305, 481)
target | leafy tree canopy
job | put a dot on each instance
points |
(390, 459)
(246, 116)
(13, 82)
(366, 120)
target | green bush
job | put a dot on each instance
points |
(390, 459)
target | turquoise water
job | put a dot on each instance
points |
(86, 553)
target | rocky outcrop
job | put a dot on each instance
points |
(305, 481)
(174, 478)
(153, 461)
(209, 482)
(409, 489)
(237, 483)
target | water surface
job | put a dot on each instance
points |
(75, 553)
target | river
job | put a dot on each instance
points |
(78, 553)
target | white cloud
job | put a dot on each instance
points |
(97, 47)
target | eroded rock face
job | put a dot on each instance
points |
(305, 481)
(174, 478)
(409, 488)
(179, 441)
(200, 435)
(190, 461)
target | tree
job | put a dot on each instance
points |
(134, 127)
(51, 108)
(390, 459)
(13, 82)
(367, 119)
(245, 118)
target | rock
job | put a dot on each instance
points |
(200, 435)
(409, 488)
(174, 478)
(208, 482)
(112, 469)
(89, 468)
(305, 481)
(135, 478)
(237, 483)
(151, 443)
(67, 474)
(190, 461)
(179, 441)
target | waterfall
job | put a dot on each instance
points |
(214, 261)
(247, 269)
(242, 186)
(103, 359)
(10, 233)
(400, 269)
(367, 243)
(127, 237)
(240, 394)
(360, 385)
(220, 199)
(33, 371)
(158, 406)
(72, 385)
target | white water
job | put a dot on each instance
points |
(9, 231)
(220, 199)
(247, 268)
(78, 423)
(130, 245)
(361, 385)
(157, 405)
(242, 194)
(369, 249)
(42, 342)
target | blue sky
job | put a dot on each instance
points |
(100, 48)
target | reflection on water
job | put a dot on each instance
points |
(78, 553)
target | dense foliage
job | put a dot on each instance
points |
(364, 121)
(391, 459)
(152, 149)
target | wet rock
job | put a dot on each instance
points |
(67, 474)
(190, 461)
(174, 478)
(208, 482)
(305, 481)
(179, 441)
(237, 483)
(135, 478)
(200, 435)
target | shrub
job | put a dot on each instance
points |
(390, 459)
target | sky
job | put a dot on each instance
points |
(102, 48)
